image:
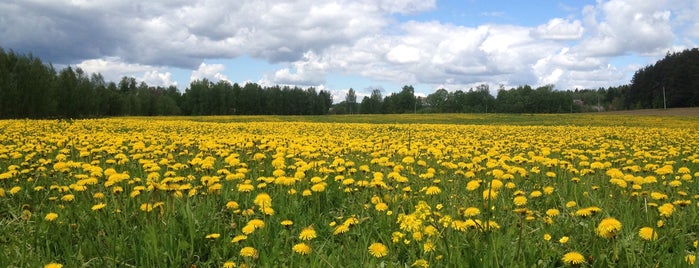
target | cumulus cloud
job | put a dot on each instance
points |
(560, 29)
(113, 69)
(212, 72)
(311, 39)
(622, 26)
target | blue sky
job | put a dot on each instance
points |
(360, 44)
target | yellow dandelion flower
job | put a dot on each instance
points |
(429, 247)
(15, 190)
(573, 258)
(608, 228)
(535, 194)
(548, 190)
(666, 210)
(690, 259)
(378, 250)
(490, 194)
(302, 248)
(397, 236)
(571, 204)
(647, 233)
(341, 229)
(473, 185)
(239, 238)
(381, 206)
(213, 236)
(248, 252)
(229, 264)
(232, 205)
(287, 223)
(520, 201)
(98, 206)
(552, 212)
(248, 229)
(50, 216)
(547, 237)
(257, 223)
(308, 233)
(433, 190)
(563, 240)
(422, 263)
(471, 212)
(53, 265)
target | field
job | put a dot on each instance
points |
(590, 190)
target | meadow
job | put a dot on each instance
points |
(442, 190)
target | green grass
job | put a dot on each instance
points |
(589, 119)
(538, 151)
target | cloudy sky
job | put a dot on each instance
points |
(362, 44)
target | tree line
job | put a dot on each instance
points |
(522, 99)
(31, 89)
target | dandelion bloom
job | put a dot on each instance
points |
(608, 228)
(232, 205)
(15, 190)
(248, 252)
(473, 185)
(68, 197)
(573, 258)
(302, 248)
(433, 190)
(257, 223)
(239, 238)
(490, 194)
(564, 240)
(547, 237)
(552, 212)
(308, 233)
(690, 258)
(471, 211)
(213, 236)
(378, 250)
(229, 264)
(287, 223)
(429, 247)
(53, 265)
(666, 210)
(51, 216)
(647, 233)
(381, 206)
(341, 229)
(99, 206)
(420, 263)
(520, 201)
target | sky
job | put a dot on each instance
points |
(361, 44)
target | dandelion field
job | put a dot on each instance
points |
(503, 191)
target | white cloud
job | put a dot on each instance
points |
(212, 72)
(312, 39)
(627, 26)
(403, 54)
(560, 29)
(113, 69)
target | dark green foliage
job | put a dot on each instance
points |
(677, 75)
(32, 89)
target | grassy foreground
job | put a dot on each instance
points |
(351, 191)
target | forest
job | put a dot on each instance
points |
(30, 88)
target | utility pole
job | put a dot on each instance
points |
(664, 103)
